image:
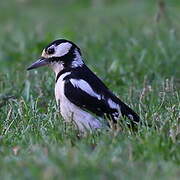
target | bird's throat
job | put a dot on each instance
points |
(57, 67)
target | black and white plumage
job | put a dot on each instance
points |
(80, 94)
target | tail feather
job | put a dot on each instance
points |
(130, 114)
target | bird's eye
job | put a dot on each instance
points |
(50, 51)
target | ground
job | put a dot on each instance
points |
(133, 46)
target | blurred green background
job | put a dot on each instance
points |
(132, 38)
(133, 45)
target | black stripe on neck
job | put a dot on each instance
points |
(62, 72)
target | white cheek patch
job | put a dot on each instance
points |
(62, 49)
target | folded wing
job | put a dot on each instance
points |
(104, 104)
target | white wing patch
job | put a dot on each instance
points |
(130, 116)
(116, 115)
(83, 85)
(112, 104)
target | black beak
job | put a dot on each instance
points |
(40, 62)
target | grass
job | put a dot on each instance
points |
(137, 57)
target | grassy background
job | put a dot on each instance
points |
(136, 55)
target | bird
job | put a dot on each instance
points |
(80, 94)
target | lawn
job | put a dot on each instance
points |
(133, 45)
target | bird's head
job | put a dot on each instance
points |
(58, 55)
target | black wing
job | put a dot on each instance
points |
(97, 106)
(85, 101)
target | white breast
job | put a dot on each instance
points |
(59, 87)
(71, 112)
